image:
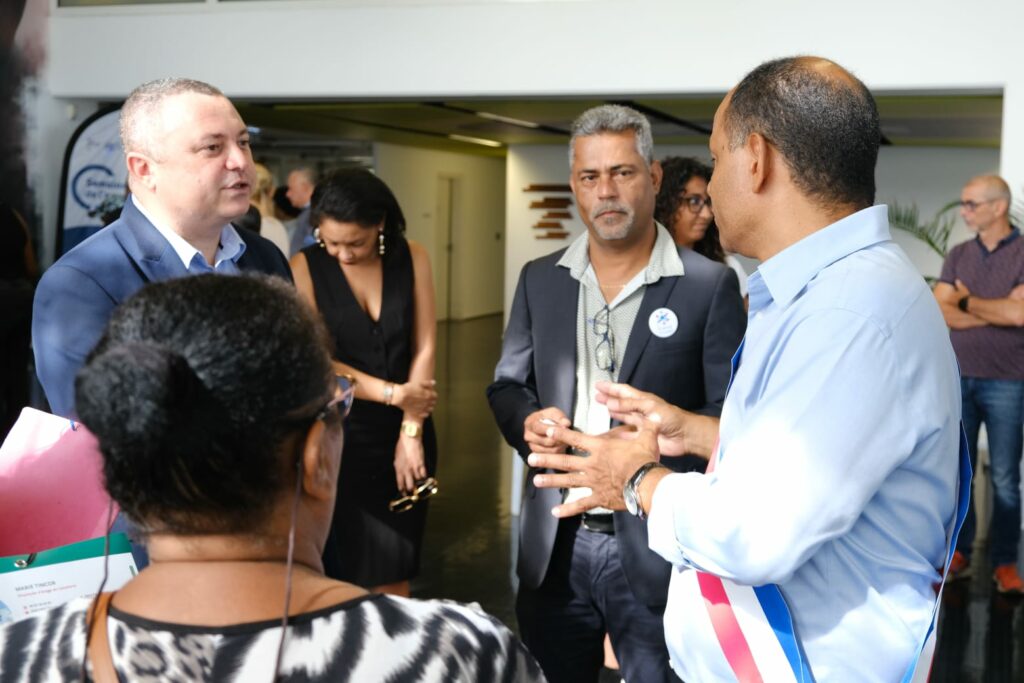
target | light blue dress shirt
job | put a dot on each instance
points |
(837, 475)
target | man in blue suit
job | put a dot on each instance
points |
(190, 172)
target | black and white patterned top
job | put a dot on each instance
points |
(371, 638)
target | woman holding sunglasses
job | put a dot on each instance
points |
(219, 418)
(376, 295)
(684, 207)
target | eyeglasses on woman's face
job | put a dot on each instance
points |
(696, 203)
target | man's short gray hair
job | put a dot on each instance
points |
(614, 118)
(141, 106)
(306, 173)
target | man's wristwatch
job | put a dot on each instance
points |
(631, 491)
(411, 429)
(962, 304)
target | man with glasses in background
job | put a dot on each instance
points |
(981, 294)
(659, 317)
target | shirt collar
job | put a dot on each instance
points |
(788, 272)
(1014, 234)
(664, 261)
(230, 248)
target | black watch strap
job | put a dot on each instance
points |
(962, 304)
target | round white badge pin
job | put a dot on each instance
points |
(663, 323)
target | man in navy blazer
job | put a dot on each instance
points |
(621, 303)
(190, 171)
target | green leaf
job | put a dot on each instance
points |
(934, 233)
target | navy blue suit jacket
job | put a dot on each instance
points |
(78, 293)
(537, 370)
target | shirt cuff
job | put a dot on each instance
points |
(661, 522)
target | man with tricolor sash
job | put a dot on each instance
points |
(815, 546)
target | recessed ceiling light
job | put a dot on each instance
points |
(507, 119)
(475, 141)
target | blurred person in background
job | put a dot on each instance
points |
(684, 207)
(301, 182)
(262, 198)
(283, 209)
(981, 295)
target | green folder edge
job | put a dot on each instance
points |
(82, 550)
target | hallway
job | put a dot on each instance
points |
(469, 549)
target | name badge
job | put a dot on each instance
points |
(663, 323)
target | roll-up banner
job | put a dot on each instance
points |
(93, 180)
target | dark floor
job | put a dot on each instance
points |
(467, 553)
(981, 632)
(469, 549)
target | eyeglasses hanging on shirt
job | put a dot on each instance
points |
(604, 354)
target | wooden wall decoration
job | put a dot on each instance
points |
(555, 204)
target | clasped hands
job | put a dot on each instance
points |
(651, 426)
(416, 398)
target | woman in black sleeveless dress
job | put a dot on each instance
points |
(375, 292)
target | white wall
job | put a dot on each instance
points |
(390, 47)
(929, 178)
(478, 216)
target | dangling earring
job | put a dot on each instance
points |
(316, 236)
(380, 242)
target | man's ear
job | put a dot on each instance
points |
(656, 175)
(141, 168)
(760, 160)
(317, 481)
(1002, 207)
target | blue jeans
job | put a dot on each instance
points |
(999, 404)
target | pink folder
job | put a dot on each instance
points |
(51, 485)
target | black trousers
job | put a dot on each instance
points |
(585, 595)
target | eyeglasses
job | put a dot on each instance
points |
(425, 488)
(696, 203)
(971, 205)
(343, 399)
(604, 354)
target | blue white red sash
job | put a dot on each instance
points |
(753, 624)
